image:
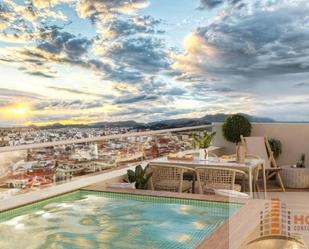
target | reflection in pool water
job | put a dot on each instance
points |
(102, 222)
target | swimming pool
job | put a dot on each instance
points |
(90, 219)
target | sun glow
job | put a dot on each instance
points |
(17, 111)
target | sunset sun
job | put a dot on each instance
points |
(17, 111)
(20, 110)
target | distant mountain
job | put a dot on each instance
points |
(56, 126)
(163, 124)
(129, 123)
(176, 123)
(207, 119)
(220, 117)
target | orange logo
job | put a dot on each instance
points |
(275, 219)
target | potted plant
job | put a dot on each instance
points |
(233, 127)
(276, 147)
(301, 162)
(140, 176)
(203, 142)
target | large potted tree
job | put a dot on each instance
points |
(233, 127)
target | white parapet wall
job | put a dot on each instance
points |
(293, 136)
(41, 194)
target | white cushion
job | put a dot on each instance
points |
(231, 193)
(122, 185)
(227, 186)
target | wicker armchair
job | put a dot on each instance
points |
(210, 178)
(244, 178)
(169, 178)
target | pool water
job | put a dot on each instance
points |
(88, 219)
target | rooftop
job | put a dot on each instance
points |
(50, 169)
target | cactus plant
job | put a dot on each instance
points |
(140, 176)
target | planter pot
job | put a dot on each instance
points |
(203, 154)
(240, 153)
(295, 177)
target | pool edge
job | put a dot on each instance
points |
(234, 231)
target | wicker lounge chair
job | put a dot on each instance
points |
(169, 178)
(211, 178)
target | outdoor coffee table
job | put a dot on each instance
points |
(249, 166)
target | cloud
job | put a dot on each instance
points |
(104, 9)
(132, 43)
(125, 40)
(78, 92)
(19, 21)
(53, 47)
(73, 104)
(128, 99)
(126, 56)
(144, 54)
(301, 85)
(6, 15)
(269, 40)
(9, 97)
(41, 74)
(7, 92)
(49, 3)
(32, 61)
(210, 4)
(54, 41)
(151, 112)
(123, 27)
(245, 53)
(160, 87)
(108, 71)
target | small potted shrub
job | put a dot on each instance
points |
(202, 143)
(301, 161)
(233, 127)
(276, 147)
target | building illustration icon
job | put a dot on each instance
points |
(275, 219)
(275, 228)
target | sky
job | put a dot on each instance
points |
(86, 61)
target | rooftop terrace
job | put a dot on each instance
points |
(97, 162)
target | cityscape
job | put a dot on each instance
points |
(29, 135)
(32, 169)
